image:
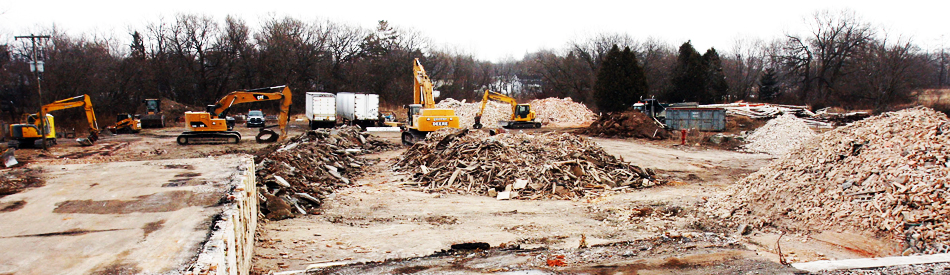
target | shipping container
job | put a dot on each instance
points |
(704, 119)
(321, 110)
(359, 109)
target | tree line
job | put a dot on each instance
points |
(196, 59)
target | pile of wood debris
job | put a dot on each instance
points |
(560, 112)
(886, 174)
(542, 166)
(626, 124)
(779, 136)
(294, 177)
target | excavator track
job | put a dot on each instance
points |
(188, 138)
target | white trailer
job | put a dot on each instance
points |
(321, 110)
(359, 109)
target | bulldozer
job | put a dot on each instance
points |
(521, 114)
(126, 124)
(153, 117)
(44, 130)
(214, 126)
(423, 117)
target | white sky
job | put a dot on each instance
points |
(496, 30)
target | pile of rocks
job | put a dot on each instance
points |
(626, 124)
(887, 174)
(561, 112)
(779, 136)
(295, 177)
(549, 165)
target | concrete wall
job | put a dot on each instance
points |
(230, 247)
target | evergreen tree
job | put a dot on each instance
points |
(768, 85)
(716, 86)
(689, 74)
(620, 81)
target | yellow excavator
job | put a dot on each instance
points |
(521, 114)
(214, 126)
(423, 117)
(44, 130)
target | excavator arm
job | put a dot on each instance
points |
(73, 102)
(422, 86)
(221, 108)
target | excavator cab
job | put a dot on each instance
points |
(522, 111)
(413, 110)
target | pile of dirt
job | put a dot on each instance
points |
(562, 112)
(295, 177)
(15, 180)
(626, 124)
(543, 166)
(779, 136)
(887, 175)
(172, 110)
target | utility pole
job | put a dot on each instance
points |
(36, 67)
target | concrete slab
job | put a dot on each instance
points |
(151, 217)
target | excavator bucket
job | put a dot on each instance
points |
(8, 158)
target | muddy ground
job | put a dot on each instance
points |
(384, 224)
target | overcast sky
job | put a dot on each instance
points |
(498, 30)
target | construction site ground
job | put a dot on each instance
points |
(383, 224)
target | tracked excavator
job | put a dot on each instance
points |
(36, 129)
(423, 117)
(521, 114)
(214, 126)
(126, 124)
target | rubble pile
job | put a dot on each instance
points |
(548, 165)
(15, 180)
(779, 136)
(295, 177)
(494, 112)
(886, 174)
(562, 111)
(626, 124)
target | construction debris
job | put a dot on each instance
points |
(779, 136)
(519, 166)
(626, 124)
(886, 174)
(15, 180)
(296, 176)
(560, 112)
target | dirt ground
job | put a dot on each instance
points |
(383, 224)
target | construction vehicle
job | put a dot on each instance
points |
(153, 117)
(126, 123)
(521, 114)
(423, 117)
(214, 126)
(36, 129)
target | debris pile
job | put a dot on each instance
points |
(887, 174)
(494, 112)
(295, 177)
(557, 111)
(626, 124)
(779, 136)
(548, 165)
(562, 111)
(15, 180)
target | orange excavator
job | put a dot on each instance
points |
(214, 126)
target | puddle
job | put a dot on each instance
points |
(148, 228)
(158, 202)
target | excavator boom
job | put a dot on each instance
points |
(422, 86)
(42, 127)
(521, 114)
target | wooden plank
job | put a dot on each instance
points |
(872, 262)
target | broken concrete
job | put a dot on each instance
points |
(125, 218)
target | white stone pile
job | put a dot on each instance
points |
(560, 112)
(779, 136)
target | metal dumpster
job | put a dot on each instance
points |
(704, 119)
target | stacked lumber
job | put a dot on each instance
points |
(886, 174)
(562, 112)
(779, 136)
(295, 177)
(542, 166)
(626, 124)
